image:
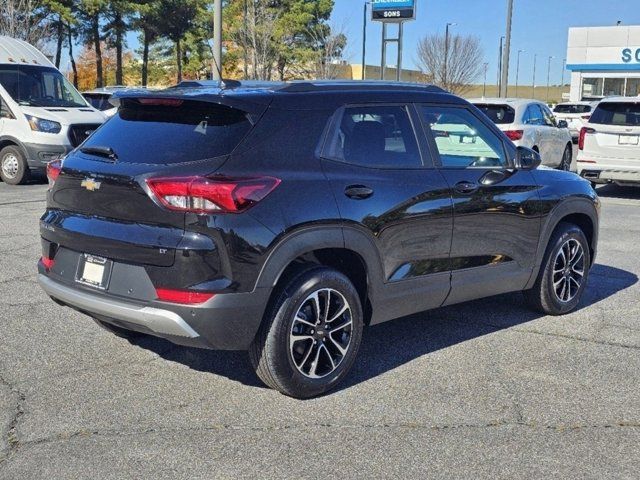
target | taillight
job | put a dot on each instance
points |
(186, 297)
(514, 134)
(583, 134)
(53, 171)
(162, 102)
(211, 194)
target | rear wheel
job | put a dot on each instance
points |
(563, 274)
(13, 165)
(311, 335)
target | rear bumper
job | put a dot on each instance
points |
(226, 322)
(599, 173)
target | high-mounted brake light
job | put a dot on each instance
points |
(585, 117)
(514, 134)
(211, 194)
(164, 102)
(583, 134)
(53, 171)
(186, 297)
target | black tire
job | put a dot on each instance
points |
(567, 157)
(14, 169)
(119, 332)
(272, 354)
(544, 297)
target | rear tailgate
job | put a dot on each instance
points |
(614, 133)
(100, 204)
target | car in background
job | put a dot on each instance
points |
(576, 114)
(530, 123)
(99, 98)
(281, 218)
(609, 145)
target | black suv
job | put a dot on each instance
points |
(281, 218)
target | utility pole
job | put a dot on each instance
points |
(533, 89)
(484, 85)
(504, 82)
(499, 84)
(446, 53)
(364, 42)
(564, 67)
(549, 75)
(217, 40)
(518, 70)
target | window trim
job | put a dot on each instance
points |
(336, 121)
(4, 103)
(434, 148)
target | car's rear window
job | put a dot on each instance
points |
(572, 108)
(98, 101)
(184, 131)
(498, 113)
(617, 113)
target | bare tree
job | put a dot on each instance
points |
(255, 36)
(453, 67)
(329, 44)
(26, 20)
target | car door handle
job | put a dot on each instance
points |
(466, 188)
(358, 192)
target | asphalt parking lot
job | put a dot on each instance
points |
(486, 389)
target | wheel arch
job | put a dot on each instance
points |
(580, 212)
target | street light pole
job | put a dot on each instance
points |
(364, 42)
(484, 85)
(533, 88)
(499, 84)
(518, 70)
(549, 75)
(217, 40)
(446, 53)
(504, 82)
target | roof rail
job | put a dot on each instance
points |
(337, 85)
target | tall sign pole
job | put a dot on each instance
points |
(392, 11)
(217, 40)
(504, 81)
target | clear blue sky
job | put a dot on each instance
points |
(539, 26)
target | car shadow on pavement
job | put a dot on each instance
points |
(391, 344)
(615, 191)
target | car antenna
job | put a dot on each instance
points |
(223, 85)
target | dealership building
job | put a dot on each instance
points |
(604, 61)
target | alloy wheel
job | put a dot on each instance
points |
(568, 270)
(566, 160)
(321, 333)
(10, 165)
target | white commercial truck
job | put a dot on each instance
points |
(42, 116)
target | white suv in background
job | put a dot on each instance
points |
(609, 145)
(576, 114)
(530, 123)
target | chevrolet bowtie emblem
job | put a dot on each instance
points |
(90, 184)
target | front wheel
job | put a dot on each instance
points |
(564, 272)
(13, 166)
(310, 337)
(565, 163)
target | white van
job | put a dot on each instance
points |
(42, 116)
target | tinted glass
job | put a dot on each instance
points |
(534, 115)
(462, 139)
(549, 119)
(154, 134)
(379, 136)
(5, 111)
(614, 113)
(39, 87)
(98, 101)
(500, 114)
(572, 109)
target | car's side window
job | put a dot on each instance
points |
(5, 111)
(375, 136)
(462, 139)
(535, 115)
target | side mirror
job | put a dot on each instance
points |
(527, 159)
(563, 124)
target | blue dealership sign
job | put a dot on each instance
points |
(393, 10)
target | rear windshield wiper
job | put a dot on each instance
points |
(106, 152)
